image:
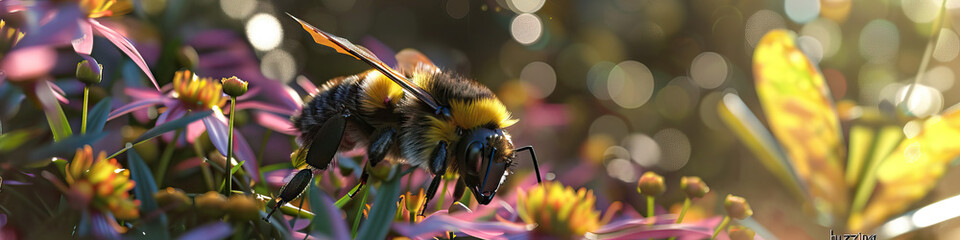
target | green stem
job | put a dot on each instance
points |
(165, 158)
(229, 175)
(722, 225)
(263, 148)
(356, 219)
(204, 168)
(83, 122)
(683, 212)
(346, 198)
(443, 195)
(650, 207)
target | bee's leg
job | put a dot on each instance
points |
(438, 165)
(383, 140)
(326, 142)
(459, 190)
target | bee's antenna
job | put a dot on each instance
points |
(533, 155)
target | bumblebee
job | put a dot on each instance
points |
(419, 116)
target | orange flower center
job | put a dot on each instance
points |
(196, 92)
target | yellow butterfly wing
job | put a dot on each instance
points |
(911, 170)
(802, 116)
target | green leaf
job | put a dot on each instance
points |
(12, 140)
(66, 147)
(59, 125)
(97, 117)
(173, 125)
(326, 218)
(237, 167)
(155, 228)
(382, 212)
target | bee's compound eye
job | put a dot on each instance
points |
(474, 156)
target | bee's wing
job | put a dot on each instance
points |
(410, 60)
(345, 47)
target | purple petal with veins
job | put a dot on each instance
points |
(124, 45)
(440, 222)
(136, 105)
(217, 130)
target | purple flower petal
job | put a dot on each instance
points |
(140, 93)
(102, 227)
(264, 107)
(439, 223)
(664, 228)
(84, 44)
(249, 94)
(307, 86)
(58, 93)
(3, 220)
(194, 130)
(216, 230)
(136, 105)
(217, 129)
(275, 123)
(58, 26)
(124, 45)
(15, 182)
(28, 63)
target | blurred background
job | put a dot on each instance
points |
(604, 89)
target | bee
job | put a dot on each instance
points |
(419, 116)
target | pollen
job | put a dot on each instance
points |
(105, 8)
(196, 92)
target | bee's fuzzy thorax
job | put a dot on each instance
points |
(470, 114)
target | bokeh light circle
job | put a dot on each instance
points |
(811, 47)
(238, 9)
(939, 77)
(542, 76)
(948, 46)
(278, 65)
(760, 23)
(525, 6)
(643, 149)
(827, 32)
(608, 125)
(458, 9)
(630, 84)
(526, 28)
(264, 32)
(802, 11)
(879, 41)
(920, 11)
(597, 78)
(924, 100)
(622, 169)
(709, 70)
(675, 149)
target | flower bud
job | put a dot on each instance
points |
(188, 57)
(737, 207)
(88, 72)
(210, 204)
(173, 199)
(233, 86)
(242, 207)
(694, 187)
(651, 184)
(741, 233)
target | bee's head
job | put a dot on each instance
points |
(483, 156)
